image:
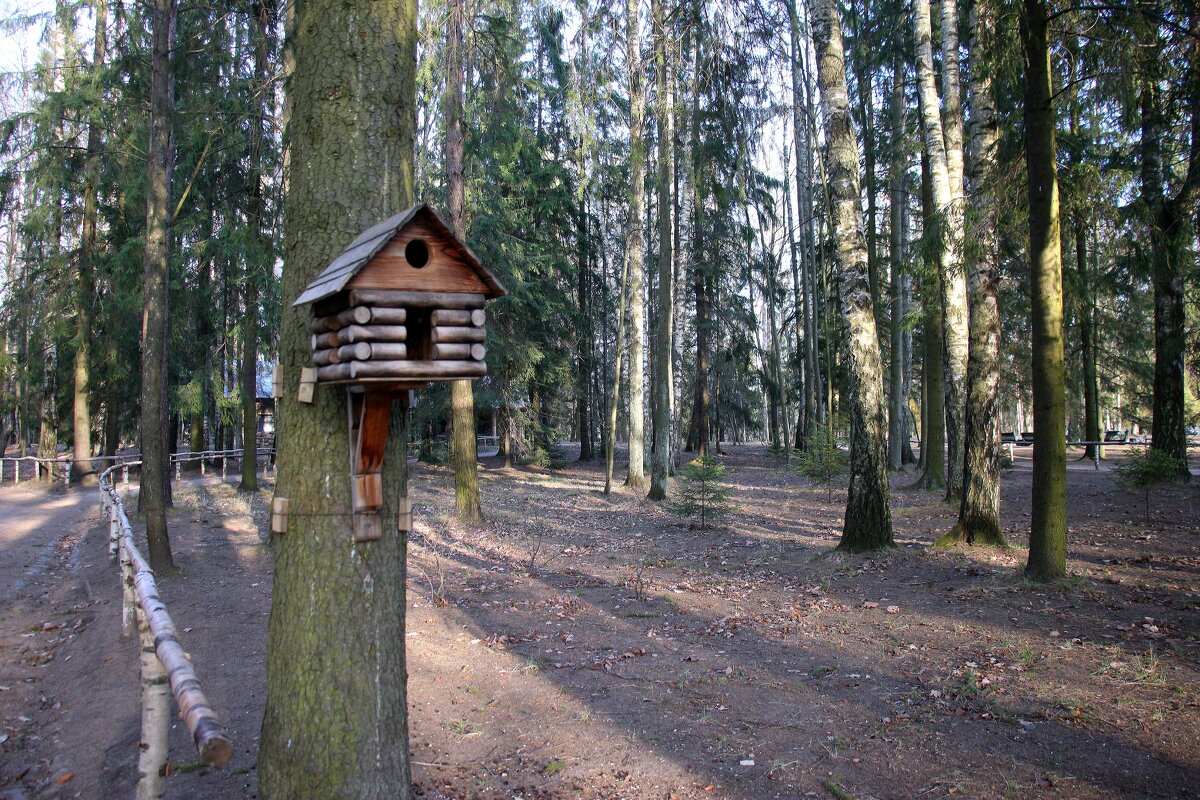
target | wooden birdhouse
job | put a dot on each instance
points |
(403, 304)
(400, 307)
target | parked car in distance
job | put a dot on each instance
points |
(1008, 437)
(1115, 437)
(1027, 437)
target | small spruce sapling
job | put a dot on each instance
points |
(700, 492)
(1146, 468)
(823, 461)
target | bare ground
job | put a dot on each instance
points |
(578, 645)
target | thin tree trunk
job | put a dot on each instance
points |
(610, 450)
(82, 469)
(979, 511)
(261, 255)
(464, 452)
(160, 165)
(334, 620)
(868, 523)
(634, 245)
(897, 400)
(1048, 526)
(933, 419)
(665, 111)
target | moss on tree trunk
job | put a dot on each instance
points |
(336, 721)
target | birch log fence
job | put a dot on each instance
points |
(166, 669)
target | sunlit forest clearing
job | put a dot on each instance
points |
(487, 398)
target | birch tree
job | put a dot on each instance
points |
(868, 523)
(979, 509)
(943, 143)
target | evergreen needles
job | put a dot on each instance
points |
(700, 492)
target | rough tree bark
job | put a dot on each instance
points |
(1171, 239)
(979, 509)
(1048, 526)
(154, 495)
(664, 69)
(336, 720)
(464, 450)
(634, 245)
(868, 522)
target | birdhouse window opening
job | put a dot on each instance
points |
(417, 253)
(420, 334)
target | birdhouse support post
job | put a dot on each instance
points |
(370, 414)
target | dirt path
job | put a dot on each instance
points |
(583, 646)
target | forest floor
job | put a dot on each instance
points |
(584, 646)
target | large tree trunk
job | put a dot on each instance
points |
(1048, 526)
(336, 721)
(664, 69)
(979, 510)
(1171, 239)
(464, 450)
(634, 244)
(943, 143)
(82, 469)
(868, 523)
(154, 494)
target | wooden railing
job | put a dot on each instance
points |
(164, 664)
(64, 462)
(124, 460)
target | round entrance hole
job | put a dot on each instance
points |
(417, 253)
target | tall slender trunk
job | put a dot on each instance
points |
(82, 468)
(261, 255)
(1048, 526)
(153, 497)
(664, 68)
(943, 143)
(933, 418)
(614, 399)
(897, 400)
(462, 395)
(334, 620)
(701, 396)
(868, 523)
(634, 247)
(1088, 345)
(979, 510)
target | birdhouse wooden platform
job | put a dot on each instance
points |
(400, 307)
(402, 304)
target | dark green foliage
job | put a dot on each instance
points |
(700, 492)
(1146, 468)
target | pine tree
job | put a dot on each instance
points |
(700, 492)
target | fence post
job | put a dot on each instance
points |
(178, 469)
(129, 623)
(17, 471)
(222, 466)
(125, 476)
(1096, 455)
(156, 717)
(114, 531)
(201, 465)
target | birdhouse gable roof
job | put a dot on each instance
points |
(335, 277)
